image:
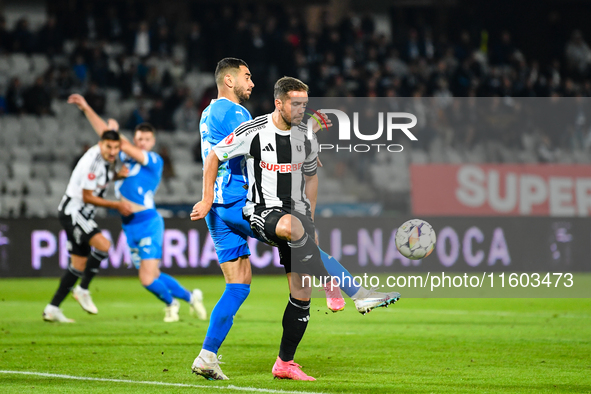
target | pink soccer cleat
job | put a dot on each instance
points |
(289, 370)
(334, 298)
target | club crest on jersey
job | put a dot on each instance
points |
(282, 168)
(91, 176)
(229, 139)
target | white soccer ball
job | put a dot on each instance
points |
(415, 239)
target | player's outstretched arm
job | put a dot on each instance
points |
(97, 123)
(312, 191)
(122, 206)
(210, 171)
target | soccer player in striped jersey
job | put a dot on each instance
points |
(144, 228)
(87, 246)
(281, 193)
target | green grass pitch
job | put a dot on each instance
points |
(415, 346)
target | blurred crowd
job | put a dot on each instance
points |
(149, 60)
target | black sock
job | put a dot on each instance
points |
(295, 321)
(92, 267)
(67, 282)
(306, 257)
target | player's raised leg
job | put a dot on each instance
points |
(365, 299)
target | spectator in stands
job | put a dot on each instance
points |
(138, 115)
(167, 167)
(5, 36)
(22, 38)
(158, 117)
(162, 42)
(113, 26)
(195, 48)
(3, 105)
(578, 54)
(37, 99)
(141, 42)
(99, 66)
(80, 70)
(96, 99)
(186, 118)
(15, 97)
(50, 39)
(502, 53)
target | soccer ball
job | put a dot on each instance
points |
(415, 239)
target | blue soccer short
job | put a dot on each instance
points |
(145, 233)
(229, 230)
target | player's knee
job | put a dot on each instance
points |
(289, 228)
(146, 278)
(100, 242)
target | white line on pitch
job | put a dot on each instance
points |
(229, 387)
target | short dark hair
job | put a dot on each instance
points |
(288, 84)
(225, 65)
(145, 126)
(110, 135)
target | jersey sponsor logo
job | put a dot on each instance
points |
(91, 176)
(228, 140)
(282, 168)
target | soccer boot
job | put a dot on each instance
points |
(171, 312)
(85, 300)
(334, 298)
(373, 299)
(197, 306)
(52, 313)
(289, 370)
(210, 371)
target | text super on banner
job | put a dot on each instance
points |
(557, 190)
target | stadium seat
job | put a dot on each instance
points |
(61, 171)
(35, 207)
(21, 171)
(36, 187)
(21, 154)
(10, 206)
(19, 65)
(57, 187)
(418, 156)
(13, 187)
(41, 171)
(4, 173)
(182, 156)
(4, 65)
(40, 63)
(51, 204)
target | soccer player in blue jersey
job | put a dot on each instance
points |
(144, 229)
(229, 230)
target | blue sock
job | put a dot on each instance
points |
(335, 268)
(222, 316)
(159, 289)
(175, 287)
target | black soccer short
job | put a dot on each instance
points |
(263, 222)
(78, 233)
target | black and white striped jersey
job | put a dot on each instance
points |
(277, 161)
(91, 173)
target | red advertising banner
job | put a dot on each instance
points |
(501, 190)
